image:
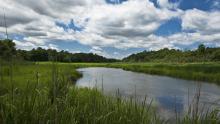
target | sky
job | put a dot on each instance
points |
(111, 28)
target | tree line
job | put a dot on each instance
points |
(8, 51)
(201, 54)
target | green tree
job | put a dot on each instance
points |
(216, 55)
(7, 49)
(39, 54)
(201, 48)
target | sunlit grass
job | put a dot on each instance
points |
(33, 93)
(46, 94)
(207, 71)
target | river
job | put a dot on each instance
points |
(168, 94)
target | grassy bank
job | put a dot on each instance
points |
(32, 93)
(44, 93)
(208, 72)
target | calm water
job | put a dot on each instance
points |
(167, 93)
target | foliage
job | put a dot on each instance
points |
(205, 71)
(209, 72)
(43, 93)
(48, 96)
(7, 49)
(202, 54)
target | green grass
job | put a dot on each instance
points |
(208, 72)
(32, 93)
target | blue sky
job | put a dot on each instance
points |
(112, 28)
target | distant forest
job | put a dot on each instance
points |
(201, 54)
(8, 51)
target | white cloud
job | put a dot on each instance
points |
(202, 22)
(123, 25)
(118, 26)
(53, 46)
(128, 25)
(24, 46)
(167, 4)
(99, 51)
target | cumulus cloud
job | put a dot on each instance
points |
(202, 22)
(29, 45)
(123, 25)
(108, 25)
(167, 4)
(99, 51)
(24, 46)
(53, 46)
(130, 24)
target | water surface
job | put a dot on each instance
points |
(168, 94)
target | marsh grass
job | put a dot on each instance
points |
(206, 71)
(48, 96)
(200, 113)
(44, 93)
(194, 71)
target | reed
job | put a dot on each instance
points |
(208, 72)
(45, 93)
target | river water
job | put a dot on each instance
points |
(168, 94)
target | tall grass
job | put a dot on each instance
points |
(40, 94)
(48, 96)
(199, 113)
(209, 72)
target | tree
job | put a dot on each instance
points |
(39, 54)
(201, 48)
(216, 55)
(7, 49)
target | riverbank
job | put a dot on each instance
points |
(207, 72)
(44, 93)
(33, 93)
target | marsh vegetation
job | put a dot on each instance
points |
(45, 92)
